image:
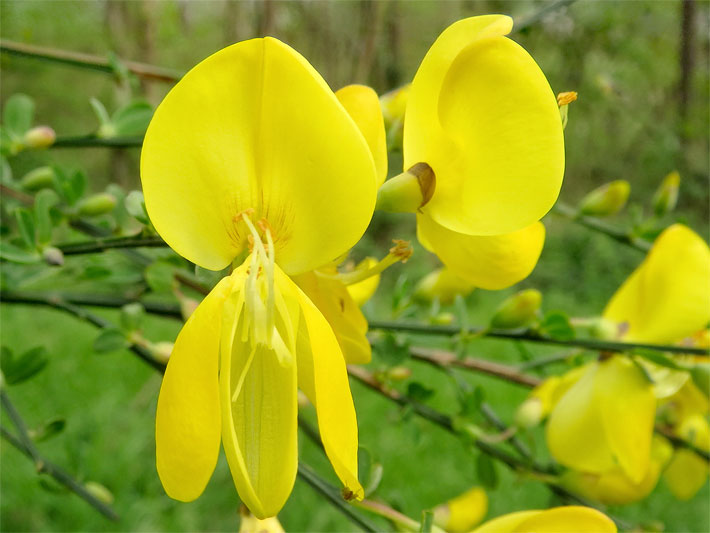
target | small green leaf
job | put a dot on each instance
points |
(18, 113)
(135, 205)
(160, 276)
(658, 358)
(132, 119)
(19, 369)
(44, 200)
(15, 254)
(110, 340)
(100, 111)
(556, 325)
(471, 401)
(392, 349)
(487, 473)
(26, 226)
(418, 392)
(49, 429)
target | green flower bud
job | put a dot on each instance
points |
(518, 310)
(443, 319)
(98, 204)
(39, 137)
(602, 328)
(407, 192)
(399, 373)
(53, 256)
(606, 200)
(529, 413)
(666, 196)
(98, 491)
(39, 178)
(161, 351)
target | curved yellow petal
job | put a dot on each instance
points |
(363, 105)
(466, 510)
(483, 116)
(506, 523)
(334, 302)
(363, 290)
(258, 394)
(666, 298)
(323, 377)
(254, 126)
(686, 474)
(489, 262)
(187, 421)
(565, 519)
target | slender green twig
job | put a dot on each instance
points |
(332, 494)
(681, 443)
(108, 243)
(598, 225)
(87, 61)
(549, 360)
(530, 336)
(25, 445)
(91, 141)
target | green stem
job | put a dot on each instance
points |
(598, 225)
(87, 61)
(390, 514)
(25, 445)
(526, 335)
(108, 243)
(91, 141)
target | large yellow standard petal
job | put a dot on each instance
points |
(258, 395)
(556, 520)
(333, 300)
(483, 116)
(363, 105)
(666, 298)
(254, 126)
(605, 419)
(187, 424)
(488, 262)
(323, 377)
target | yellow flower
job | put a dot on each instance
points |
(362, 291)
(666, 298)
(462, 512)
(251, 161)
(442, 284)
(251, 524)
(556, 520)
(482, 118)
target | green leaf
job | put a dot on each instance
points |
(471, 401)
(392, 349)
(658, 358)
(26, 226)
(131, 316)
(15, 254)
(49, 429)
(18, 114)
(418, 392)
(556, 325)
(487, 473)
(100, 111)
(17, 370)
(135, 205)
(160, 276)
(44, 200)
(132, 119)
(110, 340)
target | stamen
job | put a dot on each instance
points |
(401, 251)
(243, 375)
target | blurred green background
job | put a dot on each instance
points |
(641, 71)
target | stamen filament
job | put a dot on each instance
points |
(401, 251)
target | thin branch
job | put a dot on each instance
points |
(681, 443)
(530, 336)
(448, 359)
(87, 61)
(600, 226)
(25, 445)
(333, 495)
(109, 243)
(91, 141)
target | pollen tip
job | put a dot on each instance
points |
(402, 250)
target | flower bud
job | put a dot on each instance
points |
(442, 284)
(251, 524)
(39, 137)
(529, 413)
(518, 310)
(606, 200)
(132, 315)
(161, 351)
(399, 373)
(53, 256)
(666, 196)
(98, 204)
(605, 329)
(98, 491)
(407, 192)
(394, 104)
(39, 178)
(463, 512)
(443, 319)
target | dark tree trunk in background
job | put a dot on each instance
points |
(687, 60)
(266, 17)
(231, 17)
(370, 19)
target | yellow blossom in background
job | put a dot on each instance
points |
(251, 161)
(462, 513)
(568, 519)
(251, 524)
(441, 284)
(362, 291)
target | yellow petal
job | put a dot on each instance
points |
(363, 290)
(506, 523)
(489, 262)
(346, 320)
(466, 510)
(686, 474)
(258, 394)
(187, 421)
(604, 419)
(323, 378)
(254, 126)
(483, 116)
(363, 105)
(565, 519)
(666, 298)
